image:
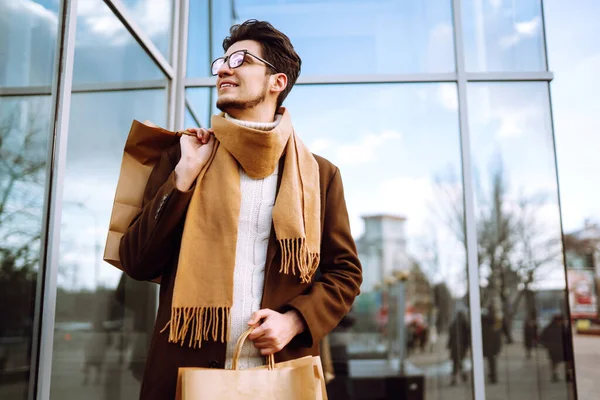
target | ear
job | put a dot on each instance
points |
(278, 83)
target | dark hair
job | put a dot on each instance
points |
(276, 49)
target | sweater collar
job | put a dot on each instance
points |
(261, 126)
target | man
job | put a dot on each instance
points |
(236, 222)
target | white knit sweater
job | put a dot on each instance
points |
(254, 229)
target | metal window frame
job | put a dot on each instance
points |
(55, 174)
(86, 88)
(179, 48)
(469, 208)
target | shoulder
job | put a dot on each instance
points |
(327, 170)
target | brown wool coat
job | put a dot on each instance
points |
(150, 250)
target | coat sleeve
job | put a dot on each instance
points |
(332, 294)
(152, 239)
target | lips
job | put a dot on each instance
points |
(227, 84)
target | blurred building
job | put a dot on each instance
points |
(382, 249)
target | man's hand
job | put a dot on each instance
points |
(195, 152)
(275, 331)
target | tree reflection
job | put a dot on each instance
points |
(22, 173)
(519, 253)
(514, 243)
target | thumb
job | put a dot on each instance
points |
(258, 315)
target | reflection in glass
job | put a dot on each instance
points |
(24, 128)
(105, 51)
(102, 318)
(199, 99)
(525, 325)
(155, 18)
(405, 201)
(199, 54)
(503, 36)
(360, 37)
(28, 32)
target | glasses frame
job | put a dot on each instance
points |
(227, 59)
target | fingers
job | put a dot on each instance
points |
(268, 351)
(259, 315)
(202, 134)
(268, 347)
(258, 332)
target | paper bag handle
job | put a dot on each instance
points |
(238, 351)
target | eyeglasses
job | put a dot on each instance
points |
(235, 60)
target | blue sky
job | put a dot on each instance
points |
(390, 141)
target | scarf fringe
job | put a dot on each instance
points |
(295, 256)
(204, 322)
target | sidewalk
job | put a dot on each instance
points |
(587, 366)
(519, 378)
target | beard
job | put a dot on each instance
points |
(238, 104)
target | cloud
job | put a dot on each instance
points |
(320, 145)
(365, 150)
(31, 11)
(99, 23)
(510, 110)
(515, 121)
(440, 48)
(407, 197)
(448, 97)
(496, 4)
(523, 30)
(510, 125)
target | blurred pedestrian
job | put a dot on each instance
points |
(491, 331)
(553, 339)
(459, 339)
(530, 333)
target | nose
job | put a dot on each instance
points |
(224, 70)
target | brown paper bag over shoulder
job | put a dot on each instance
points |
(143, 149)
(300, 379)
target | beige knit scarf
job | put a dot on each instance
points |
(203, 293)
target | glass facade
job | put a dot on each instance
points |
(441, 120)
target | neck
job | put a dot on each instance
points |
(260, 115)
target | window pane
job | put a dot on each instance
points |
(25, 124)
(199, 100)
(155, 17)
(525, 327)
(357, 37)
(28, 42)
(503, 36)
(405, 201)
(103, 320)
(105, 51)
(199, 54)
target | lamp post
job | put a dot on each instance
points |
(96, 244)
(395, 285)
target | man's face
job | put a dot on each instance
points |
(244, 87)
